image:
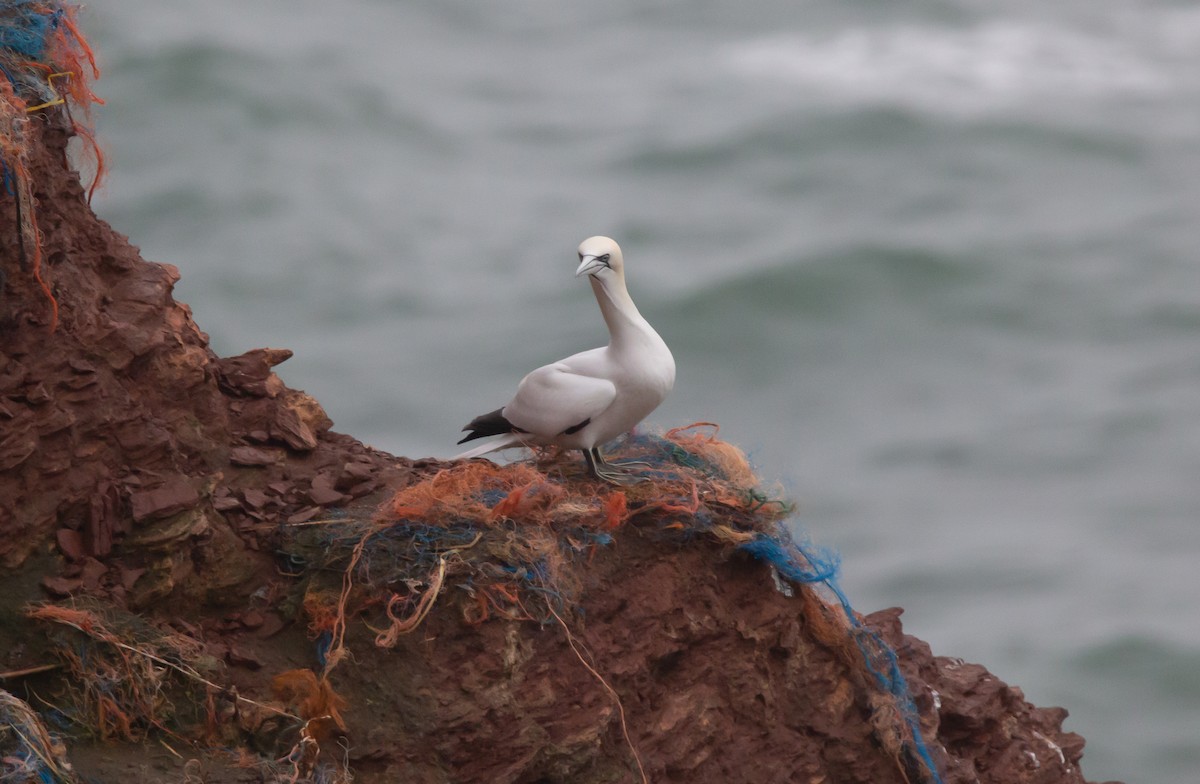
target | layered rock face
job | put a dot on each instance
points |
(720, 678)
(120, 423)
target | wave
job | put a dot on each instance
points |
(991, 64)
(834, 283)
(1163, 670)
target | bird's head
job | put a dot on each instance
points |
(600, 257)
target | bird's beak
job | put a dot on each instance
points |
(588, 265)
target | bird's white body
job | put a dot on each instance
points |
(590, 398)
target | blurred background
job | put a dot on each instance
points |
(934, 265)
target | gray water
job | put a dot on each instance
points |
(934, 265)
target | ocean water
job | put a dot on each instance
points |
(934, 265)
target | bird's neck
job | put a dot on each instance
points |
(626, 326)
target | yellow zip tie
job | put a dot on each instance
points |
(58, 99)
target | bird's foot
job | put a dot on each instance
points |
(613, 473)
(615, 476)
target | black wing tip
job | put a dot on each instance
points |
(490, 424)
(573, 429)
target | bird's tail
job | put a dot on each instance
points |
(509, 441)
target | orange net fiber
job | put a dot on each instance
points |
(121, 668)
(502, 532)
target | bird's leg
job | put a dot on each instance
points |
(606, 471)
(627, 463)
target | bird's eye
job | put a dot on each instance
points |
(603, 259)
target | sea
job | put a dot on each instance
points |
(934, 265)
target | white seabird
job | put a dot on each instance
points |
(588, 399)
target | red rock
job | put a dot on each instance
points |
(15, 449)
(366, 488)
(305, 514)
(61, 586)
(56, 420)
(252, 456)
(250, 373)
(105, 519)
(70, 543)
(226, 503)
(354, 473)
(171, 497)
(79, 382)
(88, 450)
(186, 367)
(13, 375)
(311, 412)
(324, 496)
(255, 499)
(190, 629)
(146, 441)
(272, 625)
(149, 284)
(54, 456)
(288, 428)
(93, 571)
(129, 576)
(252, 619)
(38, 395)
(324, 480)
(239, 658)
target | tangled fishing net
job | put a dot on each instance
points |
(29, 754)
(510, 538)
(47, 68)
(506, 542)
(126, 676)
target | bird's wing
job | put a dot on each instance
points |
(554, 398)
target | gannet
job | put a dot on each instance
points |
(588, 399)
